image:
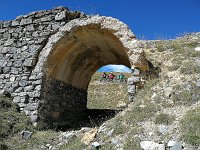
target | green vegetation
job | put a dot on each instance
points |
(11, 121)
(141, 113)
(38, 139)
(190, 127)
(132, 143)
(190, 68)
(74, 144)
(163, 119)
(185, 96)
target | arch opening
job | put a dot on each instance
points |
(68, 71)
(108, 88)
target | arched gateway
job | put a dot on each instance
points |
(72, 56)
(47, 59)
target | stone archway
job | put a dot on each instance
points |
(71, 57)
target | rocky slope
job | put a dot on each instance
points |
(163, 115)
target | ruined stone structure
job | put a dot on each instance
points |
(47, 59)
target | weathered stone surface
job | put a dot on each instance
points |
(26, 21)
(34, 118)
(61, 16)
(95, 145)
(121, 104)
(131, 89)
(89, 136)
(15, 23)
(9, 42)
(30, 62)
(149, 145)
(133, 80)
(197, 49)
(177, 146)
(26, 134)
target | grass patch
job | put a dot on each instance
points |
(106, 95)
(132, 143)
(190, 127)
(141, 113)
(190, 68)
(186, 94)
(11, 120)
(38, 139)
(174, 67)
(163, 119)
(75, 144)
(118, 126)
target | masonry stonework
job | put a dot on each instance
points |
(47, 59)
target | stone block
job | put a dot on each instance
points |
(23, 83)
(9, 42)
(6, 70)
(32, 106)
(133, 80)
(37, 82)
(6, 24)
(6, 36)
(46, 18)
(38, 88)
(15, 23)
(1, 70)
(95, 145)
(30, 62)
(61, 16)
(12, 79)
(26, 134)
(136, 72)
(14, 71)
(131, 89)
(150, 145)
(16, 99)
(3, 63)
(28, 88)
(30, 27)
(26, 21)
(34, 118)
(2, 30)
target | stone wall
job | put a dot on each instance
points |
(21, 41)
(63, 100)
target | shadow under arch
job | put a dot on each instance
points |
(69, 63)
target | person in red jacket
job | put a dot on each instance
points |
(111, 76)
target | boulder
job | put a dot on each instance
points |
(176, 146)
(133, 80)
(95, 145)
(26, 134)
(89, 136)
(121, 104)
(173, 145)
(197, 49)
(61, 16)
(131, 89)
(150, 145)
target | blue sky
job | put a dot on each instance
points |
(114, 68)
(148, 19)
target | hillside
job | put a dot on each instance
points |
(165, 111)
